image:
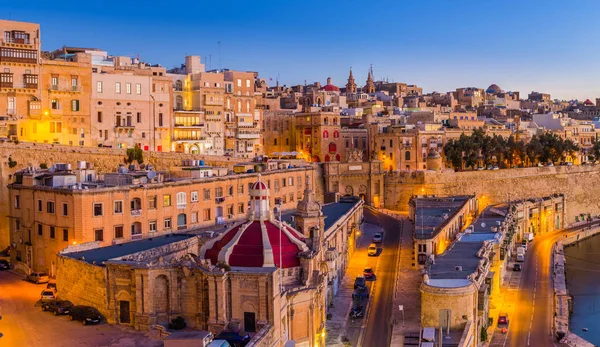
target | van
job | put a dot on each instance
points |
(372, 250)
(520, 258)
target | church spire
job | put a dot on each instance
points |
(370, 86)
(351, 85)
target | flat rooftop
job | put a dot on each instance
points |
(102, 254)
(431, 213)
(332, 211)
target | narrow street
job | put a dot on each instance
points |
(377, 325)
(23, 323)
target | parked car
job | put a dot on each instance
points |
(520, 258)
(368, 273)
(495, 168)
(360, 282)
(47, 295)
(51, 286)
(85, 314)
(357, 311)
(58, 306)
(378, 238)
(233, 338)
(360, 293)
(517, 267)
(372, 250)
(38, 277)
(503, 318)
(4, 264)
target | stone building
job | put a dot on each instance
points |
(260, 277)
(20, 78)
(318, 134)
(56, 208)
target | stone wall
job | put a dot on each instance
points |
(496, 186)
(82, 283)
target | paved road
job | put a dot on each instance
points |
(377, 325)
(24, 324)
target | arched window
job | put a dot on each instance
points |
(332, 147)
(178, 86)
(326, 121)
(325, 134)
(337, 157)
(327, 158)
(336, 134)
(407, 155)
(179, 103)
(334, 121)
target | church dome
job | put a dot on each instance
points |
(493, 89)
(329, 87)
(260, 241)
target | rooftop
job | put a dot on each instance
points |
(102, 254)
(332, 212)
(431, 213)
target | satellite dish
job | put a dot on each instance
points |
(144, 180)
(483, 225)
(151, 175)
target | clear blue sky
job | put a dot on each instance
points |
(550, 46)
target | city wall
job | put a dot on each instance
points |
(495, 186)
(103, 160)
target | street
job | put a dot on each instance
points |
(377, 327)
(23, 323)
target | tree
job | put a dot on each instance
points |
(135, 154)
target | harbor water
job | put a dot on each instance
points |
(583, 284)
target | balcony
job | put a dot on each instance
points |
(35, 108)
(188, 125)
(213, 118)
(136, 212)
(188, 138)
(11, 112)
(220, 199)
(64, 89)
(248, 136)
(245, 125)
(125, 125)
(16, 55)
(230, 125)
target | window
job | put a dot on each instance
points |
(248, 83)
(206, 194)
(230, 191)
(40, 230)
(128, 88)
(241, 208)
(65, 235)
(167, 223)
(181, 200)
(50, 207)
(74, 105)
(118, 232)
(99, 86)
(206, 213)
(54, 104)
(17, 225)
(160, 119)
(274, 142)
(98, 235)
(230, 211)
(97, 209)
(118, 90)
(65, 209)
(100, 118)
(219, 192)
(139, 117)
(152, 202)
(194, 197)
(194, 217)
(52, 233)
(239, 82)
(118, 207)
(55, 127)
(152, 226)
(167, 200)
(39, 206)
(17, 201)
(241, 189)
(54, 82)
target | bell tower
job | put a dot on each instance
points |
(309, 219)
(369, 88)
(351, 85)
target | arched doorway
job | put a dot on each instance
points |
(181, 221)
(161, 299)
(194, 149)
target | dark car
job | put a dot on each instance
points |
(360, 293)
(517, 267)
(368, 273)
(360, 282)
(233, 338)
(58, 307)
(51, 286)
(4, 264)
(85, 314)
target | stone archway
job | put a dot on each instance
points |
(194, 149)
(123, 305)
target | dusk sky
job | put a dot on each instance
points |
(548, 46)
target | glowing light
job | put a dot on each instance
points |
(74, 242)
(422, 190)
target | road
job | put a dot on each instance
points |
(24, 324)
(531, 323)
(377, 327)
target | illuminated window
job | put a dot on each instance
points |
(166, 200)
(99, 86)
(118, 88)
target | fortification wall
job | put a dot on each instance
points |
(578, 183)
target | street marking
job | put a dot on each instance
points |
(532, 310)
(528, 336)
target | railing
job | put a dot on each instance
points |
(179, 125)
(11, 111)
(57, 88)
(137, 212)
(125, 125)
(248, 136)
(18, 41)
(6, 85)
(188, 138)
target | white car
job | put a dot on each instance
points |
(378, 238)
(47, 295)
(38, 277)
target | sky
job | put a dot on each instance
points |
(548, 46)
